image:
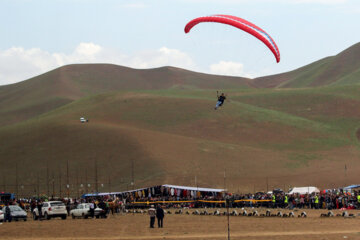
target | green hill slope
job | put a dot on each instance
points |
(299, 137)
(159, 126)
(48, 91)
(341, 69)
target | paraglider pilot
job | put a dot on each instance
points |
(220, 101)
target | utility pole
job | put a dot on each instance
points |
(197, 188)
(4, 182)
(53, 184)
(132, 174)
(77, 183)
(67, 179)
(38, 186)
(224, 178)
(345, 172)
(60, 190)
(109, 183)
(96, 177)
(267, 184)
(227, 203)
(16, 180)
(47, 178)
(86, 181)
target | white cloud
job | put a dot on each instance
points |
(228, 68)
(17, 63)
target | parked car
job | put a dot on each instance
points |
(83, 211)
(84, 120)
(16, 212)
(50, 210)
(1, 216)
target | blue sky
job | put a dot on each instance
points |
(38, 36)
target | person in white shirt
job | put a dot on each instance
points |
(152, 214)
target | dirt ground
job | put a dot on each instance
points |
(178, 227)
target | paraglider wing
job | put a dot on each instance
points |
(241, 24)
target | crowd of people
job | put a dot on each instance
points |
(336, 199)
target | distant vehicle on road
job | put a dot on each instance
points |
(50, 210)
(84, 120)
(83, 211)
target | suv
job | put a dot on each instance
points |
(50, 210)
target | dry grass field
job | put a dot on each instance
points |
(179, 227)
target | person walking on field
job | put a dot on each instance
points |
(152, 214)
(160, 216)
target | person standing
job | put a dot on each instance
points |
(273, 200)
(39, 207)
(92, 209)
(316, 202)
(7, 213)
(160, 216)
(68, 206)
(152, 213)
(286, 201)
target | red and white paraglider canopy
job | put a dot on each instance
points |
(240, 24)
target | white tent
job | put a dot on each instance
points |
(304, 190)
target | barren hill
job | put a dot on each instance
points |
(341, 69)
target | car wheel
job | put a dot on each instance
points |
(63, 217)
(25, 219)
(46, 216)
(97, 216)
(73, 216)
(35, 217)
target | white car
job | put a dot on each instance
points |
(83, 210)
(1, 216)
(50, 210)
(83, 120)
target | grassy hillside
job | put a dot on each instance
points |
(292, 137)
(159, 126)
(341, 69)
(53, 89)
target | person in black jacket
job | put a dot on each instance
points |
(160, 216)
(39, 207)
(7, 213)
(103, 206)
(220, 101)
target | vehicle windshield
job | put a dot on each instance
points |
(57, 204)
(15, 208)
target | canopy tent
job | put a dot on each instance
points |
(195, 188)
(155, 190)
(351, 188)
(304, 190)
